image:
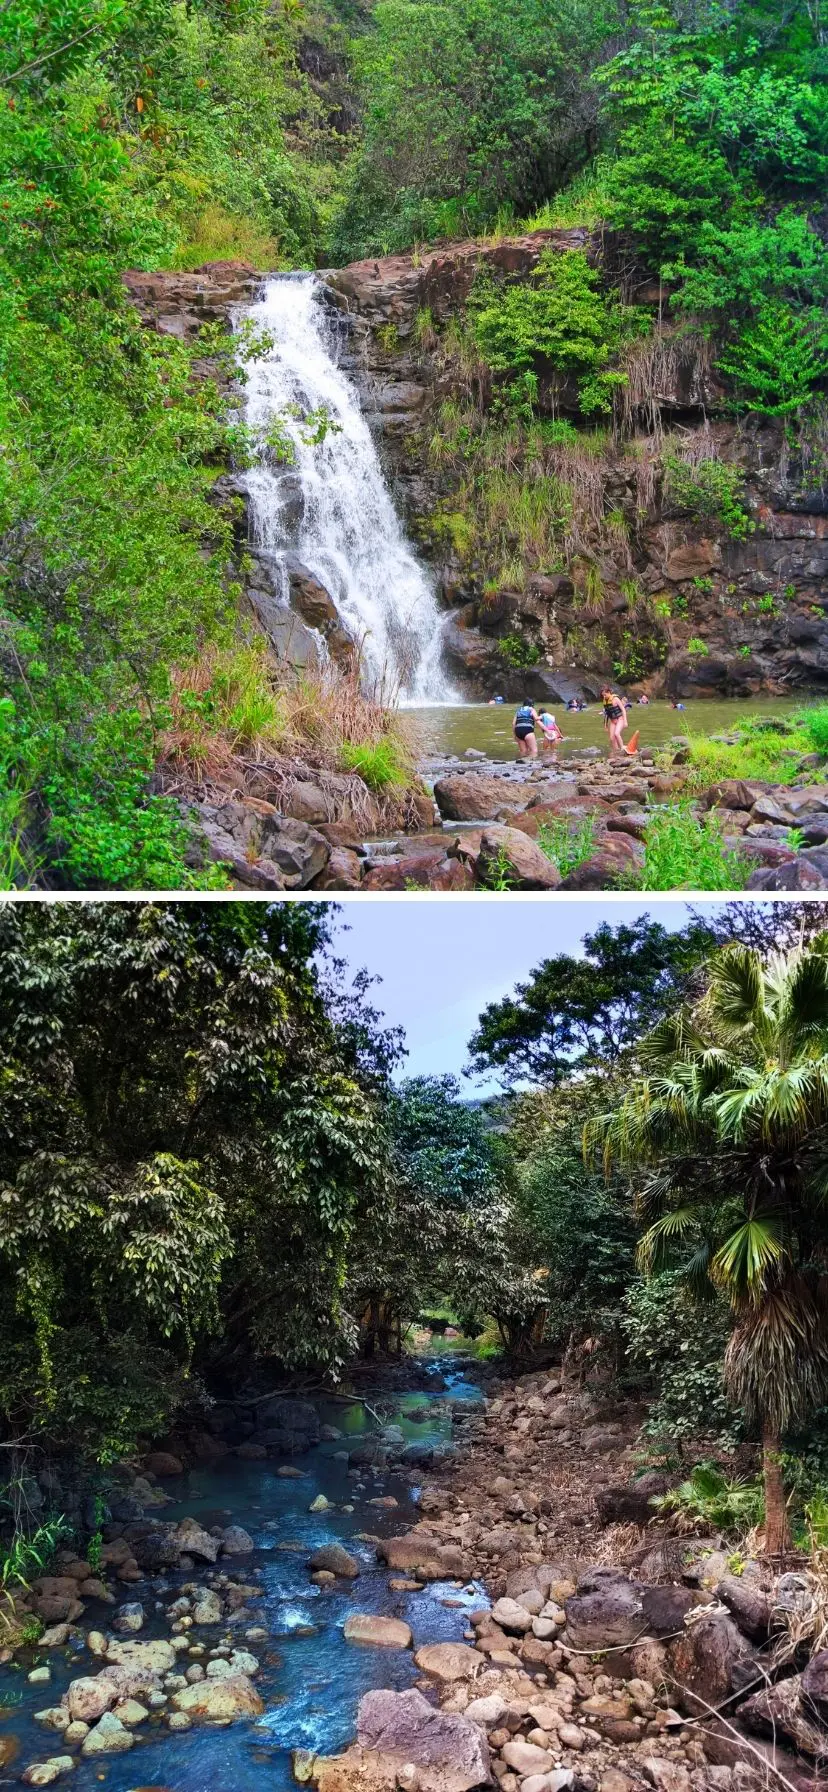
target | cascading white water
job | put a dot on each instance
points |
(348, 535)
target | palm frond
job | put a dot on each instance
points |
(737, 987)
(654, 1247)
(742, 1263)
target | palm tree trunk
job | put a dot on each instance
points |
(777, 1539)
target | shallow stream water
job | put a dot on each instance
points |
(454, 727)
(311, 1679)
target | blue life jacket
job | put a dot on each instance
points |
(524, 714)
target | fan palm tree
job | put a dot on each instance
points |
(726, 1139)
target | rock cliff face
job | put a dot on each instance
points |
(648, 588)
(642, 588)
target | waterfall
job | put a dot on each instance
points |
(330, 506)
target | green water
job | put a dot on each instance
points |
(452, 729)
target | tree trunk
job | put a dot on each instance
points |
(777, 1539)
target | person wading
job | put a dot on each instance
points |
(615, 721)
(523, 729)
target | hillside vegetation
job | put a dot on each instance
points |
(148, 134)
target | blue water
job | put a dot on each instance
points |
(311, 1680)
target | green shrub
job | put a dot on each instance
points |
(710, 491)
(814, 725)
(677, 1348)
(778, 359)
(766, 748)
(697, 646)
(709, 1501)
(560, 318)
(518, 652)
(682, 852)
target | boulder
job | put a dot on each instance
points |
(510, 1615)
(600, 872)
(214, 1701)
(109, 1737)
(128, 1618)
(89, 1697)
(44, 1773)
(333, 1558)
(665, 1609)
(711, 1660)
(288, 1427)
(342, 872)
(163, 1464)
(448, 1661)
(236, 1542)
(266, 850)
(526, 1758)
(449, 1752)
(424, 1556)
(383, 1633)
(606, 1612)
(291, 639)
(157, 1657)
(510, 854)
(239, 1662)
(780, 1707)
(192, 1540)
(472, 796)
(487, 1712)
(814, 1689)
(207, 1608)
(747, 1603)
(629, 1504)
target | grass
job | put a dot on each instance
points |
(379, 763)
(567, 845)
(582, 202)
(224, 703)
(682, 852)
(767, 748)
(237, 711)
(213, 235)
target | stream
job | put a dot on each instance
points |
(311, 1680)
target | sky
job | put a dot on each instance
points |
(441, 962)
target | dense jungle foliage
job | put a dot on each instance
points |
(212, 1167)
(205, 1164)
(668, 1165)
(158, 134)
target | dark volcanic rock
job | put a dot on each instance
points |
(288, 1427)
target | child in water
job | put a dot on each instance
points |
(550, 732)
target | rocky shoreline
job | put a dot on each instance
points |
(609, 1648)
(475, 822)
(601, 1665)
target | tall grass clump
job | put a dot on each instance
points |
(682, 852)
(225, 702)
(568, 844)
(379, 763)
